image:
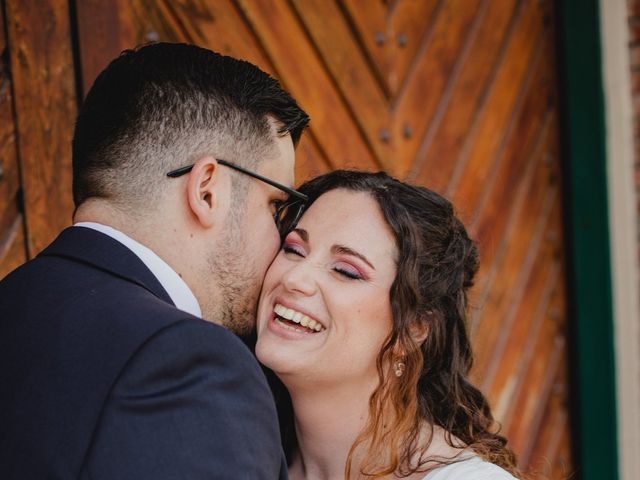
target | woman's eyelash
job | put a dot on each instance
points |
(292, 249)
(348, 274)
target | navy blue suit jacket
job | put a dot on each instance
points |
(101, 377)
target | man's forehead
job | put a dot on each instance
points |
(280, 164)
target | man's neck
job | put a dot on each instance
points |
(163, 241)
(133, 227)
(106, 213)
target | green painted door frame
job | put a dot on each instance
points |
(588, 244)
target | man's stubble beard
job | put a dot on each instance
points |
(238, 284)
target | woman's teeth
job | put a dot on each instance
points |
(297, 317)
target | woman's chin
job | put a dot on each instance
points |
(283, 357)
(271, 353)
(278, 362)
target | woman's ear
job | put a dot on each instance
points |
(207, 191)
(420, 330)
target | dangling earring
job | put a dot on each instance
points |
(398, 368)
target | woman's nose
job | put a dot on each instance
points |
(300, 278)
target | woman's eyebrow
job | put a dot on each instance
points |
(304, 235)
(350, 251)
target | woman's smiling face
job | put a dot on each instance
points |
(324, 311)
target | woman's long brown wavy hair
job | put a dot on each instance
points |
(436, 264)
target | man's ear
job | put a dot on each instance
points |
(207, 190)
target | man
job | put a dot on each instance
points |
(182, 160)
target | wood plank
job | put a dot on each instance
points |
(544, 357)
(503, 285)
(554, 332)
(548, 442)
(409, 27)
(332, 122)
(221, 26)
(539, 377)
(493, 247)
(562, 467)
(3, 35)
(486, 138)
(418, 98)
(12, 247)
(492, 221)
(369, 22)
(392, 35)
(520, 142)
(515, 266)
(356, 82)
(523, 297)
(101, 37)
(508, 361)
(535, 107)
(523, 215)
(9, 174)
(442, 144)
(43, 82)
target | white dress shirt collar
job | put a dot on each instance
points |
(180, 293)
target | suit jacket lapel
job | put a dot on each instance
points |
(105, 253)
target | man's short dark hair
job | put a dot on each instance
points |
(161, 106)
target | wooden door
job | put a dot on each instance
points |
(37, 111)
(12, 242)
(457, 95)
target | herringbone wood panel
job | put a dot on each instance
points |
(457, 95)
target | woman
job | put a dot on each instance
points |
(362, 317)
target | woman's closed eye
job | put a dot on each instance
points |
(293, 249)
(348, 271)
(341, 268)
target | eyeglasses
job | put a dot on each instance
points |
(287, 212)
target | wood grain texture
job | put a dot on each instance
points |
(333, 123)
(485, 140)
(343, 59)
(12, 245)
(436, 65)
(457, 95)
(45, 106)
(408, 30)
(458, 107)
(551, 450)
(107, 36)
